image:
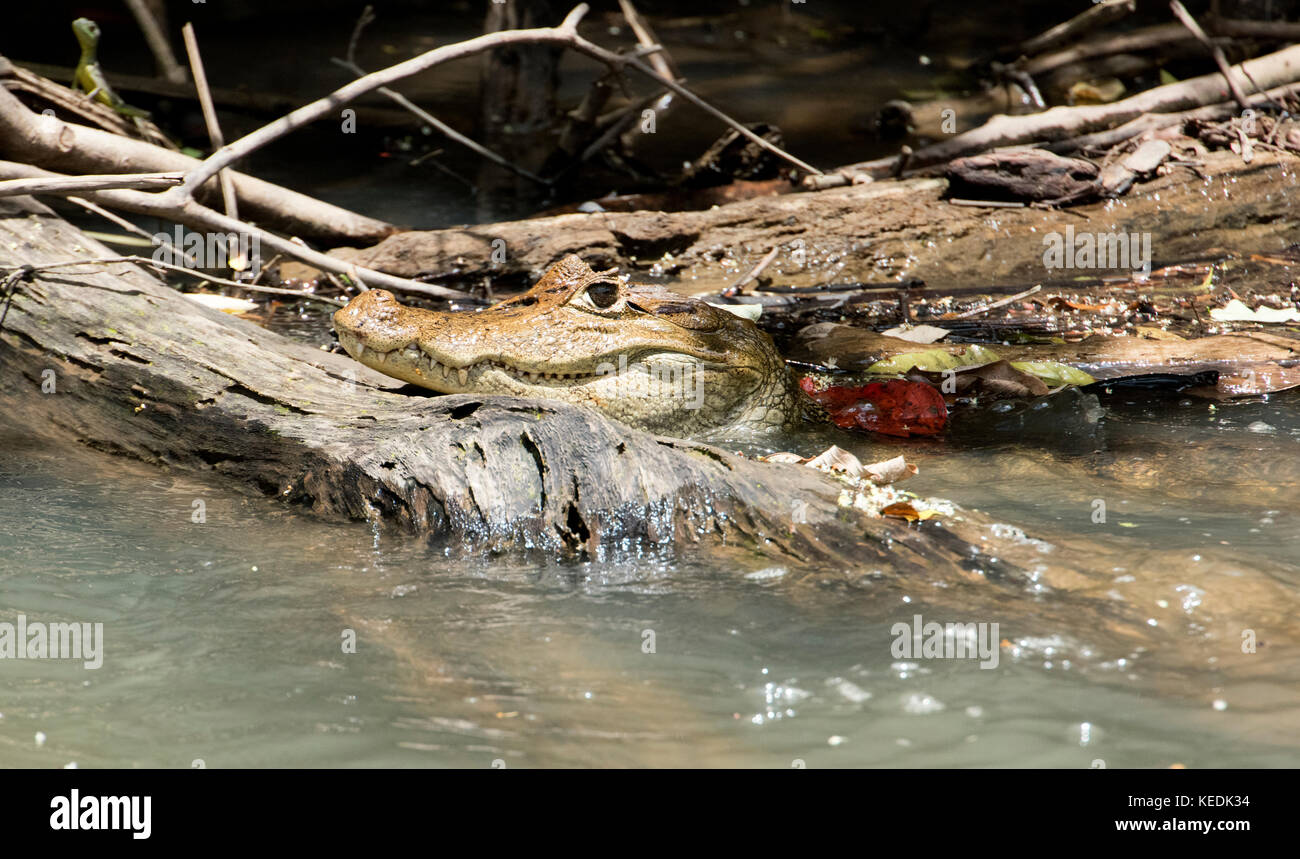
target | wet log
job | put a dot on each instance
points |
(883, 230)
(120, 362)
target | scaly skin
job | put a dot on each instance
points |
(641, 354)
(89, 78)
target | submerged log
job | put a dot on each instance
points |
(123, 363)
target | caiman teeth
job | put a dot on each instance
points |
(426, 365)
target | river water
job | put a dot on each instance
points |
(223, 640)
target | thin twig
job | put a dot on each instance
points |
(754, 272)
(214, 129)
(61, 186)
(646, 38)
(428, 118)
(157, 39)
(122, 222)
(364, 20)
(145, 261)
(1189, 22)
(986, 204)
(999, 303)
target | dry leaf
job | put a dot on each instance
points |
(889, 470)
(837, 459)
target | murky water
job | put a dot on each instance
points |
(223, 640)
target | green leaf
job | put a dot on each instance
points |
(934, 361)
(1054, 373)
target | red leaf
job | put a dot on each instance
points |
(894, 407)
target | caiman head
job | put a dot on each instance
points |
(641, 354)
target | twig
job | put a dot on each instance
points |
(1095, 16)
(366, 17)
(145, 261)
(1276, 71)
(64, 185)
(999, 303)
(122, 222)
(200, 216)
(986, 204)
(565, 35)
(1025, 81)
(430, 119)
(645, 37)
(214, 127)
(157, 39)
(1189, 22)
(754, 272)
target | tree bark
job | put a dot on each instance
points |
(876, 232)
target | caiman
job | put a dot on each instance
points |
(646, 356)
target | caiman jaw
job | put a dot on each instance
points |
(415, 364)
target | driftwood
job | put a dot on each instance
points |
(63, 147)
(1271, 72)
(867, 233)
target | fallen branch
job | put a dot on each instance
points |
(196, 214)
(188, 272)
(1061, 123)
(63, 147)
(1180, 11)
(1090, 19)
(1156, 121)
(61, 186)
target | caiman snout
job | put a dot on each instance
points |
(377, 320)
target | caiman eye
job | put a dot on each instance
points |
(603, 295)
